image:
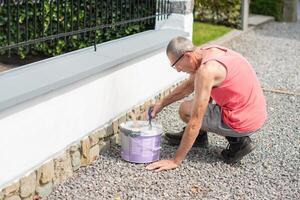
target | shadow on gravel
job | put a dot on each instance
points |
(210, 154)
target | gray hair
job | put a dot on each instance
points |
(177, 46)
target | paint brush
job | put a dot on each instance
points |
(150, 116)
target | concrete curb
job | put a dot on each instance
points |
(256, 20)
(226, 38)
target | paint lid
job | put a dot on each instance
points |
(141, 128)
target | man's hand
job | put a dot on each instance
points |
(157, 107)
(162, 165)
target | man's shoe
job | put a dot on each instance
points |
(237, 149)
(175, 138)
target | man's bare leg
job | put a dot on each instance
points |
(184, 113)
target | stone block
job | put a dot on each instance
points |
(85, 149)
(84, 161)
(98, 134)
(139, 117)
(62, 168)
(11, 189)
(148, 103)
(75, 156)
(14, 197)
(1, 195)
(45, 173)
(142, 109)
(166, 92)
(115, 125)
(44, 190)
(143, 113)
(134, 114)
(74, 147)
(94, 138)
(131, 116)
(109, 130)
(157, 97)
(115, 140)
(122, 119)
(27, 185)
(104, 146)
(94, 153)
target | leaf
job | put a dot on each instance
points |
(118, 198)
(196, 189)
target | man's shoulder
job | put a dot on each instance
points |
(205, 70)
(212, 69)
(211, 66)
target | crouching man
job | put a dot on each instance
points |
(225, 76)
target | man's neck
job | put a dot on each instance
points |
(198, 56)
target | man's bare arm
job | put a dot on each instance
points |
(204, 81)
(181, 91)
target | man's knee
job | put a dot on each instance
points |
(185, 110)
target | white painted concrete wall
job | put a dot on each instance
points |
(36, 130)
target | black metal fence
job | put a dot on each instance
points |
(56, 26)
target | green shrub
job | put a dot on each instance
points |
(225, 12)
(46, 20)
(267, 7)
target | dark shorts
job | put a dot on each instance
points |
(213, 122)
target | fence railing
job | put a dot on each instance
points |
(56, 25)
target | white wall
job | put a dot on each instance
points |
(35, 131)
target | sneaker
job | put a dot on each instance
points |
(237, 149)
(175, 138)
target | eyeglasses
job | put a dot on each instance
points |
(176, 61)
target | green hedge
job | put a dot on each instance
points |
(67, 20)
(267, 7)
(225, 12)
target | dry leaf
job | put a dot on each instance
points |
(196, 189)
(118, 198)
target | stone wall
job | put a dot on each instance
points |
(39, 183)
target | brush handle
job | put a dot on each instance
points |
(149, 115)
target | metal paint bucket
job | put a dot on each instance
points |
(140, 143)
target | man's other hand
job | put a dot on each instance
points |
(162, 165)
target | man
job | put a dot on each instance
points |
(226, 77)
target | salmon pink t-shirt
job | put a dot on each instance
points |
(240, 95)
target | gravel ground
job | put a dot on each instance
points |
(270, 172)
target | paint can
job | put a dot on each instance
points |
(140, 143)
